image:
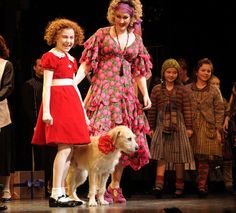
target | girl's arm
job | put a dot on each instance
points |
(47, 82)
(82, 72)
(142, 85)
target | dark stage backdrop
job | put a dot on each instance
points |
(190, 29)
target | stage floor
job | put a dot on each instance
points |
(219, 203)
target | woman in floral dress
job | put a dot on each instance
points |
(118, 59)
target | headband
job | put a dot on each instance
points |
(125, 8)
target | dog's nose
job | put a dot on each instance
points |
(136, 148)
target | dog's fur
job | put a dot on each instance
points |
(88, 160)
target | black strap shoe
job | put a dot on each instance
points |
(202, 193)
(157, 191)
(179, 193)
(59, 203)
(5, 200)
(2, 207)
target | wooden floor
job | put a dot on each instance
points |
(219, 203)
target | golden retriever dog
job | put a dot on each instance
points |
(97, 161)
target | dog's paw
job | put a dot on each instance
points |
(103, 202)
(92, 202)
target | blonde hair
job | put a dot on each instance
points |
(56, 26)
(135, 4)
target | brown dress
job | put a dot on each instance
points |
(208, 115)
(174, 146)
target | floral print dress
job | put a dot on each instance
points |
(113, 100)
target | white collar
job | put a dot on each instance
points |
(61, 54)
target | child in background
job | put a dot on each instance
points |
(226, 145)
(170, 119)
(208, 116)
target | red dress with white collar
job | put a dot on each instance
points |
(69, 125)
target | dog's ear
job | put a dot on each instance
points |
(114, 135)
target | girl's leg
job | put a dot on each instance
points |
(159, 183)
(6, 196)
(227, 175)
(160, 172)
(59, 165)
(203, 170)
(179, 184)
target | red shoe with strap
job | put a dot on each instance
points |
(116, 194)
(108, 197)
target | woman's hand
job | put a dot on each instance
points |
(87, 121)
(147, 102)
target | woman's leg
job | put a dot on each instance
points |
(116, 176)
(114, 189)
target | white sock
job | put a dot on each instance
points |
(56, 192)
(6, 193)
(63, 190)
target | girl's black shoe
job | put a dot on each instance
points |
(6, 197)
(179, 193)
(57, 203)
(2, 207)
(4, 200)
(202, 193)
(157, 192)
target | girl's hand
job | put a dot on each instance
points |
(189, 132)
(150, 133)
(218, 135)
(47, 118)
(226, 124)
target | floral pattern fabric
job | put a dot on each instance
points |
(113, 101)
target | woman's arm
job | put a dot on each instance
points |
(142, 85)
(86, 103)
(82, 72)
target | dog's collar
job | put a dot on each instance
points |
(105, 144)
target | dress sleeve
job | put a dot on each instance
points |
(75, 65)
(142, 64)
(49, 61)
(187, 108)
(218, 108)
(91, 49)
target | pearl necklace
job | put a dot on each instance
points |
(123, 52)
